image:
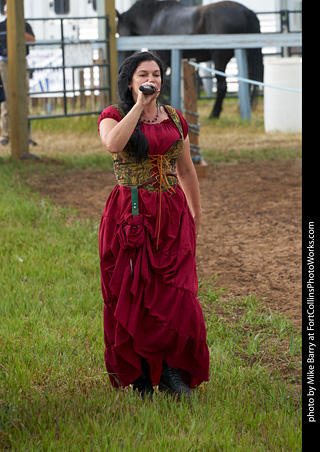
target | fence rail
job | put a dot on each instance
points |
(240, 42)
(230, 41)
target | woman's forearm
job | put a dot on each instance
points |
(115, 135)
(190, 186)
(29, 37)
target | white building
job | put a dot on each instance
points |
(52, 9)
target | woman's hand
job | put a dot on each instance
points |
(146, 99)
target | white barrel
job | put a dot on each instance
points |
(282, 108)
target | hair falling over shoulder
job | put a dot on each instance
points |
(126, 102)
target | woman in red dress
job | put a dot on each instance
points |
(154, 329)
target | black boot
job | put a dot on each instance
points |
(171, 381)
(144, 384)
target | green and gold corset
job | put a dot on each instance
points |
(130, 173)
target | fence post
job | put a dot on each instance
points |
(175, 89)
(190, 108)
(103, 94)
(244, 96)
(110, 10)
(18, 100)
(192, 117)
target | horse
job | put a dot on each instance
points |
(169, 17)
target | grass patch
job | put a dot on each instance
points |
(93, 161)
(232, 140)
(79, 124)
(55, 393)
(24, 170)
(233, 156)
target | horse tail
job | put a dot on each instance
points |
(255, 58)
(255, 64)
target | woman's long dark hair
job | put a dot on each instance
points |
(125, 74)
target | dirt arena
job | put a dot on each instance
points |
(251, 232)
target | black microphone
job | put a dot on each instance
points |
(147, 89)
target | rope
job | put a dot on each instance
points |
(242, 79)
(192, 113)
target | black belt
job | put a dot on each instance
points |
(134, 191)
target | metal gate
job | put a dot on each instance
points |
(70, 76)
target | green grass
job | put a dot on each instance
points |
(55, 393)
(233, 156)
(93, 161)
(232, 140)
(79, 124)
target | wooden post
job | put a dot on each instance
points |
(191, 115)
(190, 108)
(18, 102)
(82, 94)
(92, 92)
(73, 98)
(102, 101)
(110, 10)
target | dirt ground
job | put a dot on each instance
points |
(251, 232)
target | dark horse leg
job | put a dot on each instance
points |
(221, 92)
(220, 59)
(255, 67)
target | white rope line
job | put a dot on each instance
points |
(253, 82)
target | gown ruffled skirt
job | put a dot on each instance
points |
(149, 286)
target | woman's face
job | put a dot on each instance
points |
(147, 73)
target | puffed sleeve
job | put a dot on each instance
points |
(109, 112)
(184, 124)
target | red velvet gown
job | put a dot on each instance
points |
(148, 277)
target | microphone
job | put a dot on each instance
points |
(147, 89)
